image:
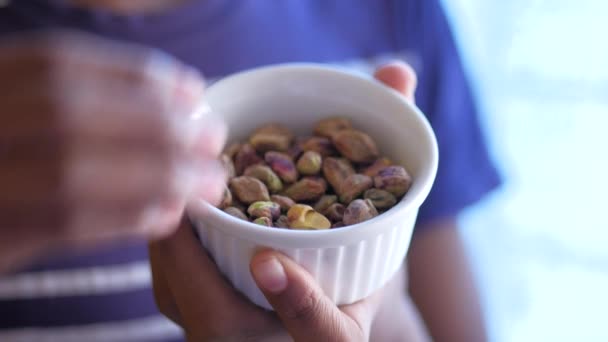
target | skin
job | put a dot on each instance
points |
(442, 285)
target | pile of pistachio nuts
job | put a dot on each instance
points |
(334, 178)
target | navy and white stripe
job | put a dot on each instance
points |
(97, 280)
(155, 328)
(52, 301)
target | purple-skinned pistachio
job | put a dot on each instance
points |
(376, 166)
(282, 165)
(295, 150)
(393, 179)
(264, 209)
(282, 222)
(263, 221)
(338, 224)
(335, 212)
(321, 145)
(358, 211)
(245, 157)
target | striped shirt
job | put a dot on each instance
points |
(101, 295)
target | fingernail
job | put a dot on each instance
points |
(186, 131)
(192, 85)
(201, 111)
(270, 275)
(205, 133)
(212, 139)
(150, 219)
(162, 67)
(184, 179)
(201, 179)
(211, 186)
(159, 221)
(189, 96)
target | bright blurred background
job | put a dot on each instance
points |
(540, 244)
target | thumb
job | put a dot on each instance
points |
(306, 312)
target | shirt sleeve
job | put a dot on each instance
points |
(466, 172)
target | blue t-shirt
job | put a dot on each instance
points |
(96, 295)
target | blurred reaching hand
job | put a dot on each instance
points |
(96, 144)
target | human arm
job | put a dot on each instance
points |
(442, 286)
(441, 281)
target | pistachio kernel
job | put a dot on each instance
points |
(248, 189)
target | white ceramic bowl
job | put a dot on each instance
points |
(349, 263)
